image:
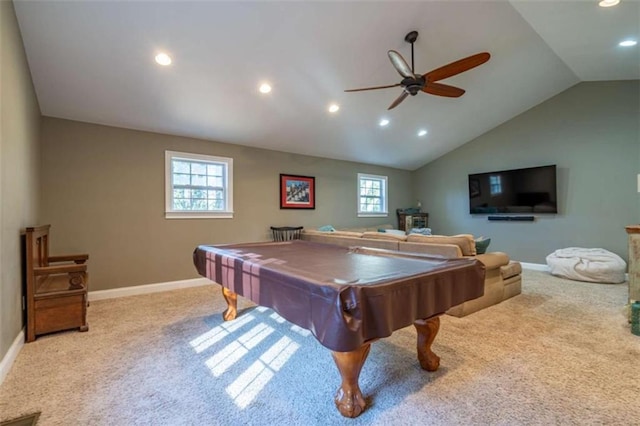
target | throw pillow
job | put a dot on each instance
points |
(481, 244)
(423, 231)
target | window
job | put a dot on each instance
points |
(372, 195)
(198, 186)
(495, 184)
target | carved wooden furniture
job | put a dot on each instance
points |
(633, 232)
(346, 297)
(56, 287)
(286, 233)
(406, 221)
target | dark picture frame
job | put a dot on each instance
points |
(474, 188)
(297, 192)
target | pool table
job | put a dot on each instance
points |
(346, 297)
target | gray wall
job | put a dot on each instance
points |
(591, 132)
(19, 163)
(103, 193)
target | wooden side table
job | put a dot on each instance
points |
(406, 221)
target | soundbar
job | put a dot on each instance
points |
(512, 218)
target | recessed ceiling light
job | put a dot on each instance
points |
(608, 3)
(384, 122)
(334, 108)
(265, 88)
(163, 59)
(422, 132)
(627, 43)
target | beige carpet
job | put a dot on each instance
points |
(560, 353)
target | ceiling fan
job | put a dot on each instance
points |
(413, 83)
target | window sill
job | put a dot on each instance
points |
(368, 214)
(198, 215)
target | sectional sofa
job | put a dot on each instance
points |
(502, 275)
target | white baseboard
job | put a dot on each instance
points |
(535, 266)
(147, 289)
(11, 355)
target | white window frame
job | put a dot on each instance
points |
(170, 213)
(385, 195)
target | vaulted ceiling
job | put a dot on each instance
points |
(93, 61)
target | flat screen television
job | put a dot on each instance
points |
(530, 190)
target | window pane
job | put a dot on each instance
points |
(198, 169)
(181, 179)
(214, 182)
(198, 194)
(181, 166)
(181, 204)
(214, 169)
(215, 204)
(199, 180)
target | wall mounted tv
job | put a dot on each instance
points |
(530, 190)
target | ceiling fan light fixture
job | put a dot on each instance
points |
(422, 132)
(265, 88)
(608, 3)
(333, 108)
(163, 59)
(383, 122)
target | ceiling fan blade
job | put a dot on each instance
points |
(372, 88)
(457, 67)
(400, 64)
(443, 90)
(398, 100)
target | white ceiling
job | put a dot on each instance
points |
(93, 61)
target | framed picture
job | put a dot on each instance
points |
(297, 192)
(474, 188)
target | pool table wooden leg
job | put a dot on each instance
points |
(427, 330)
(232, 304)
(349, 399)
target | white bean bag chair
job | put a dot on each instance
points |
(587, 264)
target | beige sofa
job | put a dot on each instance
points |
(502, 275)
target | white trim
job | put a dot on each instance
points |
(11, 355)
(198, 215)
(535, 266)
(170, 213)
(147, 289)
(385, 195)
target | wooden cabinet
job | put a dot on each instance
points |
(406, 221)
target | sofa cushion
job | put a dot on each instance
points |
(370, 228)
(384, 236)
(393, 231)
(511, 270)
(345, 234)
(493, 260)
(465, 241)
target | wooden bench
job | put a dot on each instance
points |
(56, 287)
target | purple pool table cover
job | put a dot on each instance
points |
(344, 296)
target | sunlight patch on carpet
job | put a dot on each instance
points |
(213, 336)
(248, 385)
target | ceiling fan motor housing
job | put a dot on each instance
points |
(413, 85)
